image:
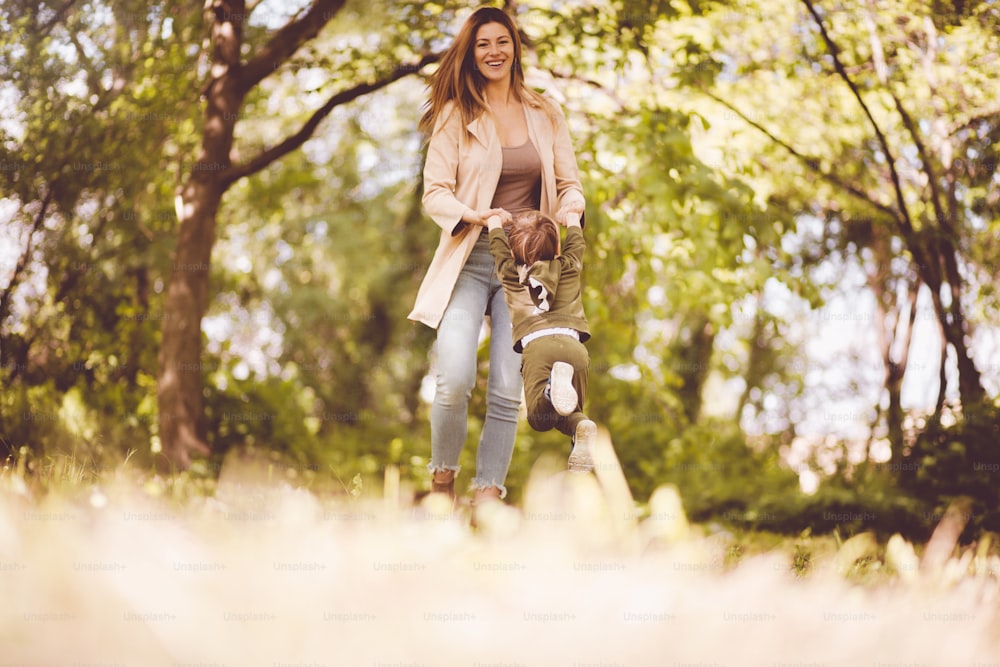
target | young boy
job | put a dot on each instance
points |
(542, 289)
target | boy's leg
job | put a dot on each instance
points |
(575, 353)
(576, 425)
(538, 359)
(536, 364)
(562, 388)
(581, 458)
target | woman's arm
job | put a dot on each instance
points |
(569, 191)
(441, 171)
(440, 177)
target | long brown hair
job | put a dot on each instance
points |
(458, 79)
(532, 236)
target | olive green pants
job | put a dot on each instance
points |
(536, 365)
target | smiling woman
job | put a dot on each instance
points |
(496, 147)
(494, 51)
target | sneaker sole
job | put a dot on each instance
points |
(564, 398)
(580, 459)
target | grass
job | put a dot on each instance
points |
(254, 567)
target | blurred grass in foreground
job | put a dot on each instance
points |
(250, 567)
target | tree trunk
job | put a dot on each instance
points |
(179, 388)
(942, 372)
(940, 255)
(970, 386)
(759, 357)
(953, 328)
(894, 333)
(894, 373)
(695, 355)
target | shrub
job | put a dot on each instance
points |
(961, 459)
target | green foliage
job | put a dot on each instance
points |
(98, 120)
(259, 410)
(868, 501)
(960, 459)
(719, 475)
(723, 478)
(695, 214)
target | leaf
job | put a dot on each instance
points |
(356, 484)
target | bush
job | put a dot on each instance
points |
(720, 476)
(868, 500)
(961, 459)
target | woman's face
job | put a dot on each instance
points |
(494, 51)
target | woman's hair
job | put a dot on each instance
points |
(533, 236)
(457, 77)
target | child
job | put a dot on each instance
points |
(542, 289)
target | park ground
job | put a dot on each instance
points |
(246, 568)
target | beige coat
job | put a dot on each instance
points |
(462, 173)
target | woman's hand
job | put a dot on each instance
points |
(481, 217)
(574, 209)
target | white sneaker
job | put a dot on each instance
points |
(561, 391)
(580, 459)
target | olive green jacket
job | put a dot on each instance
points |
(548, 293)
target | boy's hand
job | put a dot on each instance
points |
(494, 222)
(572, 219)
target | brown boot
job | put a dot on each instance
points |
(490, 494)
(444, 482)
(487, 494)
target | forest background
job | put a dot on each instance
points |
(211, 235)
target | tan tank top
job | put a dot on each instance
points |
(520, 185)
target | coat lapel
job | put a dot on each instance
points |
(540, 133)
(482, 129)
(485, 133)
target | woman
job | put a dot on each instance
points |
(496, 148)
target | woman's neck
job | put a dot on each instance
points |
(498, 93)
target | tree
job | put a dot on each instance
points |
(231, 80)
(94, 114)
(898, 170)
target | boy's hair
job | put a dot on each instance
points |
(533, 236)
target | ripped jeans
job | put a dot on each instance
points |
(477, 292)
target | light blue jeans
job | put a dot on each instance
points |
(477, 289)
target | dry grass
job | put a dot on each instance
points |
(266, 574)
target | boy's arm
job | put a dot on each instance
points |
(575, 245)
(500, 249)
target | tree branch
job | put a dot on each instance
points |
(925, 157)
(266, 157)
(988, 117)
(593, 84)
(44, 30)
(810, 162)
(286, 41)
(904, 214)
